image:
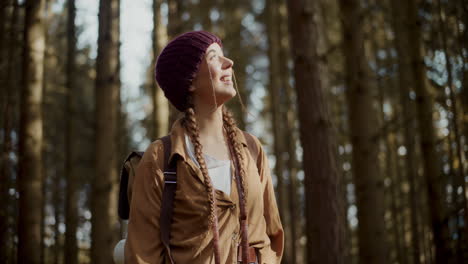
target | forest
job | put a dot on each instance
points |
(361, 106)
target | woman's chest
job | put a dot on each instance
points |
(192, 201)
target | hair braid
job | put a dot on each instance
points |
(191, 125)
(230, 125)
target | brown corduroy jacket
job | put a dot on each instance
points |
(191, 236)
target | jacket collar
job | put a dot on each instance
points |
(178, 140)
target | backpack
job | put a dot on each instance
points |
(128, 173)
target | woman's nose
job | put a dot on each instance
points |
(228, 63)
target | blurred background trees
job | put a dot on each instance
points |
(362, 106)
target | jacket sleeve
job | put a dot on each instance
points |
(272, 218)
(144, 245)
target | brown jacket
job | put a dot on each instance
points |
(190, 234)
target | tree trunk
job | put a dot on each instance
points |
(8, 108)
(175, 27)
(292, 164)
(57, 203)
(405, 84)
(289, 116)
(275, 108)
(71, 199)
(105, 229)
(462, 19)
(176, 24)
(392, 170)
(346, 175)
(233, 12)
(295, 221)
(30, 139)
(363, 117)
(4, 6)
(459, 174)
(43, 209)
(453, 208)
(426, 238)
(45, 125)
(10, 126)
(462, 38)
(160, 103)
(5, 178)
(432, 168)
(205, 6)
(391, 163)
(323, 200)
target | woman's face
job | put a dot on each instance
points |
(214, 78)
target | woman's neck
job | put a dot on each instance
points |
(211, 132)
(210, 123)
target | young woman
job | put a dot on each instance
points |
(219, 182)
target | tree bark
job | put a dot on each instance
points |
(46, 61)
(292, 185)
(292, 168)
(459, 175)
(4, 6)
(233, 12)
(392, 170)
(405, 84)
(462, 19)
(8, 108)
(205, 6)
(71, 199)
(30, 139)
(431, 162)
(323, 200)
(175, 27)
(462, 39)
(104, 220)
(391, 165)
(275, 108)
(58, 213)
(362, 119)
(176, 24)
(289, 115)
(160, 103)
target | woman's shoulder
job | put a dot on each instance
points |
(248, 137)
(252, 142)
(154, 154)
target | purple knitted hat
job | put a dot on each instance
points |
(178, 64)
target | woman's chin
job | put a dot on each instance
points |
(227, 94)
(224, 97)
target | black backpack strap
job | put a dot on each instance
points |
(124, 204)
(167, 203)
(253, 148)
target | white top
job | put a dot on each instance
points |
(219, 170)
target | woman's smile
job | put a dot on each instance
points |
(226, 79)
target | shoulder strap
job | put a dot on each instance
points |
(253, 148)
(124, 203)
(167, 203)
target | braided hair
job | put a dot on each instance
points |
(191, 126)
(230, 126)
